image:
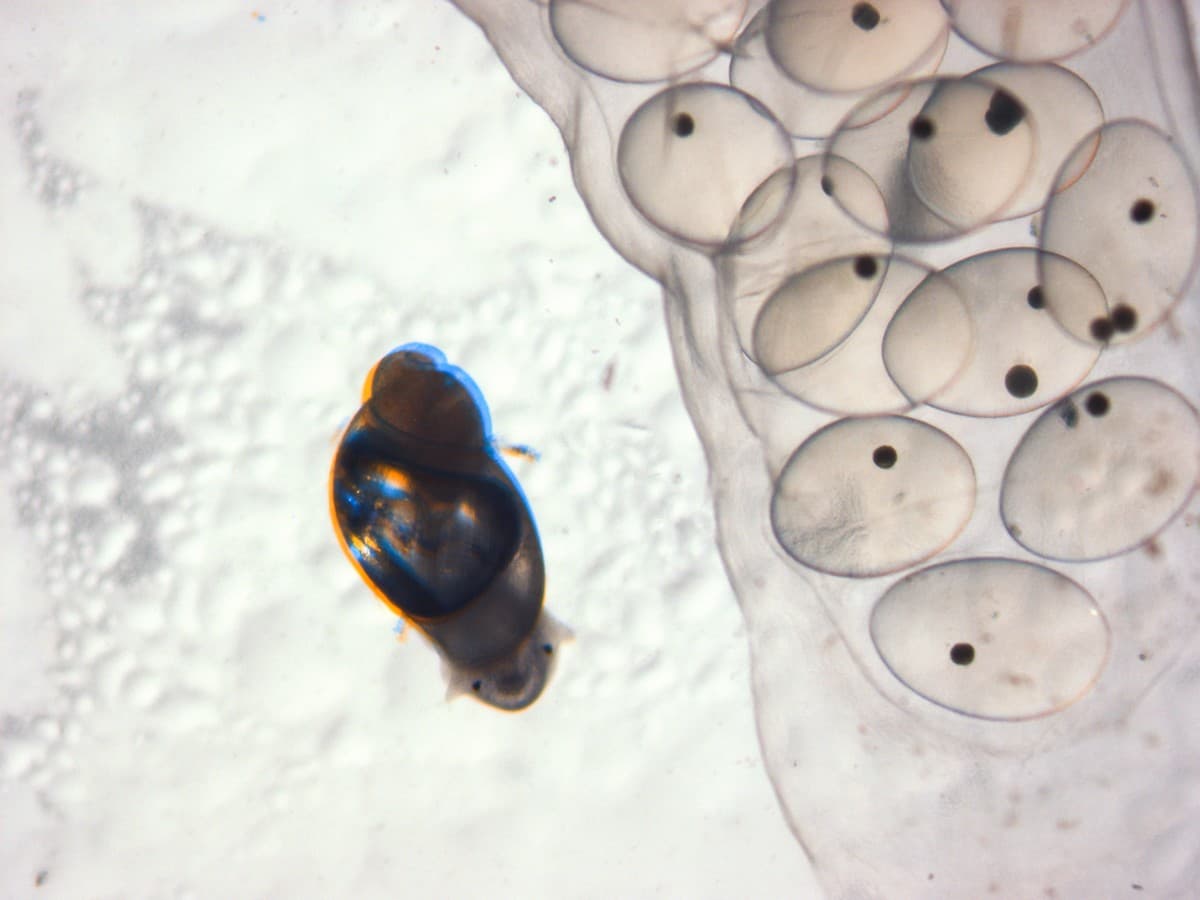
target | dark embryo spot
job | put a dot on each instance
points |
(1004, 113)
(1142, 211)
(1096, 404)
(1021, 381)
(921, 128)
(865, 16)
(1124, 318)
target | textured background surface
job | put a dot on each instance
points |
(215, 219)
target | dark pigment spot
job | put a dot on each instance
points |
(921, 128)
(1037, 300)
(884, 456)
(827, 185)
(1004, 113)
(1124, 318)
(683, 125)
(865, 267)
(865, 16)
(1102, 329)
(1096, 404)
(1069, 414)
(1021, 381)
(1142, 211)
(962, 654)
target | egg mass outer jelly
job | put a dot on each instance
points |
(436, 524)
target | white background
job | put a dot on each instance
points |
(214, 218)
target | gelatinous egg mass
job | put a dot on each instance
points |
(929, 274)
(436, 524)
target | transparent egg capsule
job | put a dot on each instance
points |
(844, 45)
(438, 527)
(808, 111)
(927, 153)
(996, 638)
(1034, 31)
(632, 41)
(674, 143)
